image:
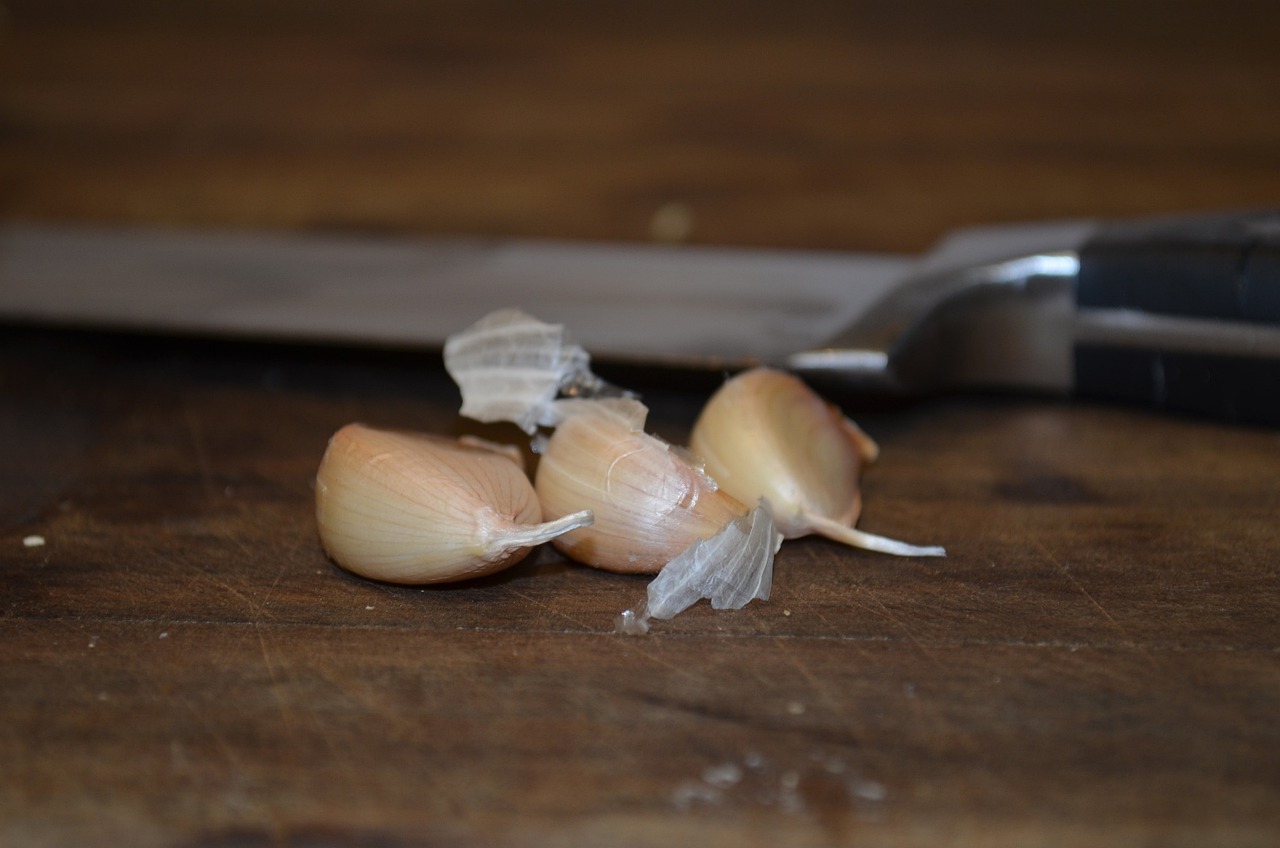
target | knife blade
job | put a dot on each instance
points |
(698, 307)
(1180, 314)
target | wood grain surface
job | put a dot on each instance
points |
(1096, 662)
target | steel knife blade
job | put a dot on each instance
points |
(1182, 314)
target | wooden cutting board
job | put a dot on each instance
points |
(182, 664)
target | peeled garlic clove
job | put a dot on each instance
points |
(765, 434)
(650, 503)
(413, 508)
(510, 366)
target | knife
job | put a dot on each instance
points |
(1181, 314)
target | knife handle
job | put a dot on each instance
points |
(1193, 307)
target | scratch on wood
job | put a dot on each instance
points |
(254, 606)
(629, 644)
(1061, 566)
(547, 608)
(284, 567)
(816, 684)
(881, 610)
(641, 647)
(878, 609)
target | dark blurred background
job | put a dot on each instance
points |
(851, 125)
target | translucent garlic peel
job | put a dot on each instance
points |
(510, 366)
(412, 508)
(628, 413)
(765, 434)
(649, 503)
(730, 569)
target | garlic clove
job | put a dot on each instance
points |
(510, 366)
(412, 508)
(765, 434)
(649, 502)
(511, 452)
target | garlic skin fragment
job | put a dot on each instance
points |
(731, 569)
(413, 508)
(765, 434)
(510, 366)
(650, 503)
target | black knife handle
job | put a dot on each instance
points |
(1223, 268)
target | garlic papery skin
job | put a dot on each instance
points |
(414, 508)
(650, 502)
(765, 434)
(731, 569)
(509, 366)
